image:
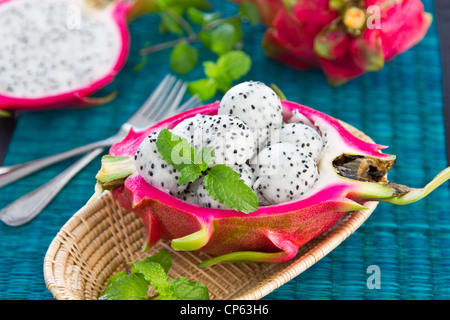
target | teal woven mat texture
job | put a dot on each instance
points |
(400, 106)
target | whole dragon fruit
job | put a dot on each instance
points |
(303, 184)
(57, 53)
(345, 38)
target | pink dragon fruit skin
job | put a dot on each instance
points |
(80, 97)
(272, 233)
(293, 32)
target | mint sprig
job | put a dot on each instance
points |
(152, 271)
(196, 25)
(222, 183)
(220, 75)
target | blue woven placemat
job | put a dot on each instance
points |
(400, 106)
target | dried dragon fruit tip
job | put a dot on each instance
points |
(417, 194)
(114, 170)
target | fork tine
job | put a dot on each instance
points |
(153, 106)
(161, 105)
(192, 102)
(177, 100)
(173, 101)
(167, 81)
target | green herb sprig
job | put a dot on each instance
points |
(193, 22)
(134, 283)
(222, 183)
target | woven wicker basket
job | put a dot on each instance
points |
(99, 239)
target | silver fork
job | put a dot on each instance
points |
(29, 206)
(9, 174)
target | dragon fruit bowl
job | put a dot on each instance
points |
(322, 171)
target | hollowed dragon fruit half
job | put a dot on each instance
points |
(57, 53)
(345, 38)
(303, 177)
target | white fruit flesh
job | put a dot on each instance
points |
(50, 47)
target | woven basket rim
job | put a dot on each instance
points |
(55, 260)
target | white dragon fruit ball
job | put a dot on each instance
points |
(154, 169)
(186, 128)
(284, 173)
(257, 105)
(305, 137)
(230, 138)
(189, 194)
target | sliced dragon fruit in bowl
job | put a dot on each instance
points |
(307, 174)
(58, 53)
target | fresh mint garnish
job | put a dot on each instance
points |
(183, 58)
(220, 74)
(196, 25)
(152, 271)
(126, 287)
(177, 152)
(222, 183)
(189, 290)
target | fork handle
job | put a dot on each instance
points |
(10, 174)
(29, 206)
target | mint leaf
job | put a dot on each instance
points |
(250, 11)
(200, 17)
(163, 257)
(223, 38)
(235, 64)
(115, 276)
(224, 185)
(152, 272)
(169, 23)
(126, 287)
(189, 174)
(174, 150)
(230, 66)
(206, 155)
(184, 4)
(187, 290)
(223, 80)
(205, 88)
(183, 58)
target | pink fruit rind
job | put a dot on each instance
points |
(80, 97)
(270, 234)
